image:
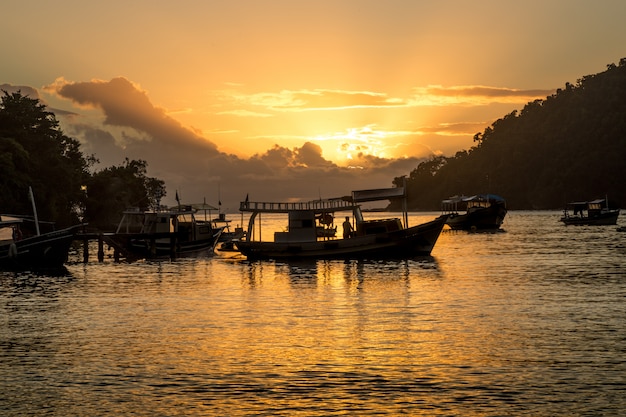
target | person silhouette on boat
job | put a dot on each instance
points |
(347, 228)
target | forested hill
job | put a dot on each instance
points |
(570, 146)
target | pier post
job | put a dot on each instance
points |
(85, 250)
(173, 243)
(100, 248)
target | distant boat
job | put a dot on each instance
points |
(374, 239)
(478, 212)
(37, 252)
(173, 233)
(596, 212)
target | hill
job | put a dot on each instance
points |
(570, 146)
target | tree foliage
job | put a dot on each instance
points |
(34, 152)
(117, 188)
(570, 146)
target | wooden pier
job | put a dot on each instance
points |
(119, 250)
(101, 238)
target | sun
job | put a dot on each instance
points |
(346, 146)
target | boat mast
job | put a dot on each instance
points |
(32, 200)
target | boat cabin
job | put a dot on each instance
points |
(469, 204)
(179, 219)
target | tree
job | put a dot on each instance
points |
(117, 188)
(570, 146)
(35, 152)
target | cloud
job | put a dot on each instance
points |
(267, 104)
(311, 100)
(127, 125)
(126, 105)
(23, 89)
(454, 129)
(473, 95)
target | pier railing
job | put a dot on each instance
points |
(328, 205)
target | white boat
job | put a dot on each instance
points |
(380, 238)
(173, 233)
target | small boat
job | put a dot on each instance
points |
(227, 237)
(38, 252)
(374, 239)
(172, 233)
(596, 212)
(478, 212)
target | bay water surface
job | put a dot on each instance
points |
(529, 321)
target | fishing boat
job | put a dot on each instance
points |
(477, 212)
(595, 212)
(20, 251)
(173, 233)
(378, 238)
(30, 249)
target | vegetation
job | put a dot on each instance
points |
(35, 153)
(570, 146)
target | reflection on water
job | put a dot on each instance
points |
(525, 322)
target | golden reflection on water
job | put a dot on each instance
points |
(491, 324)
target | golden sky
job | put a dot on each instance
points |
(294, 99)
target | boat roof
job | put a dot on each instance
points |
(378, 194)
(584, 203)
(6, 221)
(328, 205)
(163, 211)
(477, 197)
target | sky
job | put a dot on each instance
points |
(294, 100)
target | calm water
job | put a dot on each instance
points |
(530, 321)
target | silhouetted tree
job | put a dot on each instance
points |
(117, 188)
(570, 146)
(34, 152)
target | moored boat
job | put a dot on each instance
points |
(37, 252)
(595, 212)
(173, 233)
(380, 238)
(226, 240)
(478, 212)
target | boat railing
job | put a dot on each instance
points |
(285, 207)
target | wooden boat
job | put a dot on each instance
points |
(596, 212)
(173, 233)
(38, 252)
(383, 238)
(478, 212)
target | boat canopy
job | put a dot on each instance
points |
(596, 202)
(477, 197)
(378, 194)
(9, 220)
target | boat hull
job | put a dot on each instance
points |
(48, 251)
(414, 241)
(488, 218)
(164, 245)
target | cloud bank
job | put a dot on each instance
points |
(115, 119)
